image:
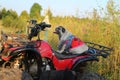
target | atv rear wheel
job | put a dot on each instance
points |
(84, 74)
(91, 76)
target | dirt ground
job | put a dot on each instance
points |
(14, 74)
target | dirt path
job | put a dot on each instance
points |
(10, 74)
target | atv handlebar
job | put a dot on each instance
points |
(42, 26)
(36, 29)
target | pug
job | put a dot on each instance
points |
(69, 43)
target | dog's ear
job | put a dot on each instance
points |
(63, 30)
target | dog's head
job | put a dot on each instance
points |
(60, 31)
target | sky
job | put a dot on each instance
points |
(58, 7)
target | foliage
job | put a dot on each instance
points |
(3, 13)
(24, 16)
(0, 14)
(7, 20)
(112, 11)
(9, 17)
(95, 14)
(12, 14)
(35, 11)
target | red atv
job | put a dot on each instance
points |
(35, 56)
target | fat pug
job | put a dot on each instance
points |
(68, 42)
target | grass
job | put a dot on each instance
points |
(97, 31)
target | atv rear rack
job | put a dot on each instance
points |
(99, 50)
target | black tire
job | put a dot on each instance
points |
(80, 68)
(84, 74)
(91, 76)
(31, 64)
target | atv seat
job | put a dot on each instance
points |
(67, 55)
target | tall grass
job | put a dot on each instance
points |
(97, 31)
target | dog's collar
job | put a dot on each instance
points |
(70, 37)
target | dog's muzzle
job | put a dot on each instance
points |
(56, 32)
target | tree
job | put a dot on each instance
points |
(3, 13)
(35, 11)
(112, 11)
(9, 18)
(12, 13)
(95, 14)
(24, 16)
(0, 14)
(111, 7)
(7, 21)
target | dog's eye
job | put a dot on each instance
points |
(57, 29)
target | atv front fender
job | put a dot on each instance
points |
(19, 50)
(29, 53)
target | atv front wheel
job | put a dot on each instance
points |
(28, 61)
